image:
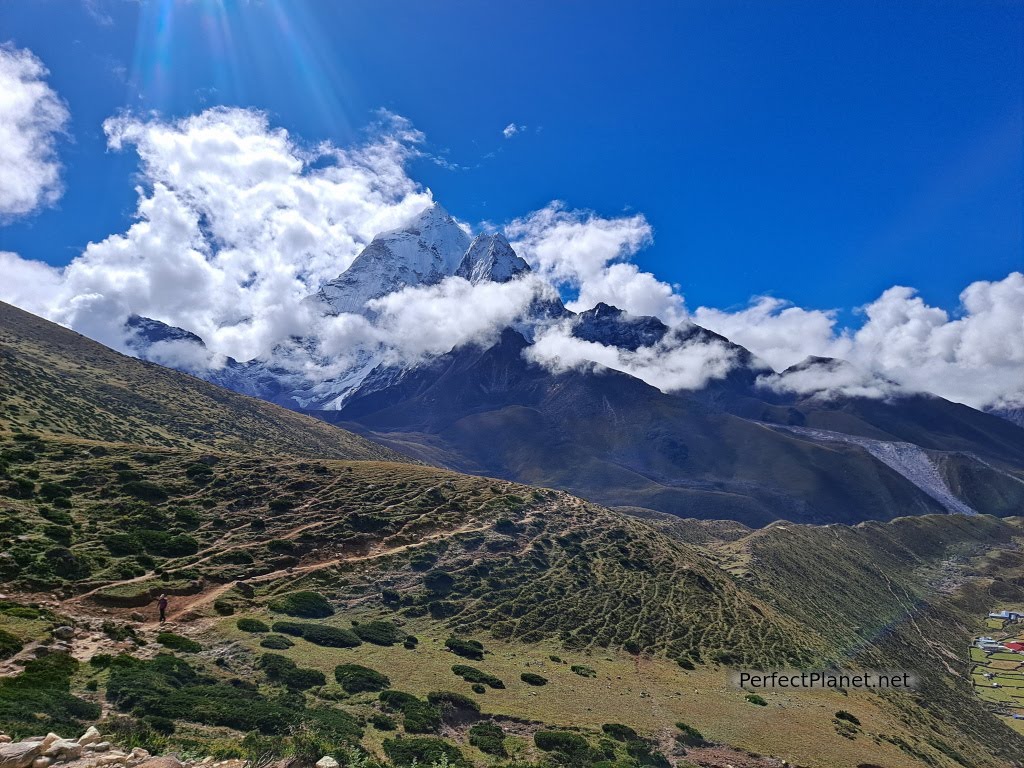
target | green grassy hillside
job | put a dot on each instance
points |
(55, 381)
(320, 605)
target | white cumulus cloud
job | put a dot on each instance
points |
(237, 222)
(673, 364)
(588, 254)
(974, 357)
(511, 130)
(32, 116)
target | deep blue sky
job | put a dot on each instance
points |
(818, 151)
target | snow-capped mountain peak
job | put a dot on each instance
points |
(491, 258)
(423, 252)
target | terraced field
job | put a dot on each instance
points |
(998, 675)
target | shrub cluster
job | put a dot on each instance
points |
(423, 751)
(276, 642)
(418, 716)
(689, 736)
(571, 744)
(470, 649)
(474, 675)
(9, 645)
(167, 686)
(178, 643)
(306, 604)
(319, 634)
(842, 714)
(248, 624)
(457, 702)
(531, 678)
(378, 632)
(39, 699)
(620, 732)
(354, 678)
(488, 738)
(283, 670)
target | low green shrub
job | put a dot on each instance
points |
(620, 732)
(9, 644)
(331, 637)
(439, 582)
(561, 741)
(423, 751)
(842, 714)
(689, 736)
(276, 642)
(583, 671)
(378, 632)
(474, 675)
(39, 699)
(753, 698)
(488, 738)
(167, 544)
(418, 716)
(145, 491)
(283, 670)
(178, 643)
(167, 686)
(470, 649)
(450, 700)
(382, 722)
(249, 624)
(645, 754)
(531, 678)
(293, 628)
(305, 604)
(223, 607)
(354, 678)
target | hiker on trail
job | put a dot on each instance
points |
(163, 608)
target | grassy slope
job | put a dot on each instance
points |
(910, 594)
(547, 573)
(106, 527)
(55, 381)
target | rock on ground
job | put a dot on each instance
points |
(20, 754)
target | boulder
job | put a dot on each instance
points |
(49, 740)
(101, 746)
(326, 762)
(5, 739)
(42, 762)
(111, 759)
(160, 762)
(64, 750)
(91, 736)
(19, 754)
(64, 632)
(139, 754)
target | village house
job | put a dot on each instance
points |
(1007, 615)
